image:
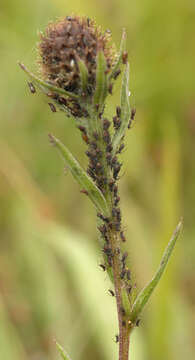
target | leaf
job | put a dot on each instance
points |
(82, 178)
(83, 73)
(125, 110)
(43, 85)
(62, 352)
(119, 58)
(101, 79)
(145, 294)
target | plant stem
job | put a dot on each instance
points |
(96, 124)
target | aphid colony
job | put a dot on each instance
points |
(104, 168)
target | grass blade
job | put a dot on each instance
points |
(62, 352)
(81, 176)
(145, 294)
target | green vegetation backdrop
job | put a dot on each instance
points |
(48, 248)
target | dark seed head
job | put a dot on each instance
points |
(63, 45)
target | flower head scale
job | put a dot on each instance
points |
(68, 42)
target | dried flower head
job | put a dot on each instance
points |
(67, 42)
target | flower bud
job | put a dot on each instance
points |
(68, 52)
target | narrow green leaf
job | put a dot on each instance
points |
(119, 58)
(62, 352)
(101, 79)
(145, 294)
(82, 178)
(126, 302)
(45, 85)
(83, 74)
(125, 110)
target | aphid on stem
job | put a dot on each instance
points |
(31, 87)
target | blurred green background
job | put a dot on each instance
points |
(50, 284)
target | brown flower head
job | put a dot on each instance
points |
(65, 43)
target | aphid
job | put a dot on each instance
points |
(102, 229)
(91, 173)
(62, 101)
(117, 168)
(93, 144)
(123, 323)
(95, 135)
(106, 124)
(137, 322)
(115, 189)
(118, 111)
(85, 138)
(129, 289)
(69, 18)
(114, 212)
(111, 184)
(98, 166)
(114, 160)
(121, 147)
(108, 158)
(52, 107)
(116, 74)
(122, 274)
(109, 148)
(111, 292)
(124, 57)
(122, 310)
(116, 201)
(102, 217)
(102, 267)
(116, 122)
(107, 251)
(82, 128)
(116, 338)
(31, 87)
(128, 275)
(106, 136)
(117, 226)
(122, 236)
(110, 88)
(133, 112)
(125, 255)
(83, 191)
(110, 224)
